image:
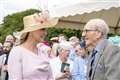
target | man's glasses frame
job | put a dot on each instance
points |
(88, 30)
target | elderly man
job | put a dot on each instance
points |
(61, 65)
(104, 60)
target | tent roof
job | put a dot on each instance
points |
(65, 8)
(111, 16)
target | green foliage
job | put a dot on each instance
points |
(13, 23)
(52, 32)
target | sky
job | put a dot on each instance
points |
(13, 6)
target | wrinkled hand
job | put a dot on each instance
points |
(66, 74)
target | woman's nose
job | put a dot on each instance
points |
(45, 33)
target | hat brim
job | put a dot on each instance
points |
(48, 24)
(31, 28)
(54, 38)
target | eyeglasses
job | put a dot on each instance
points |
(88, 30)
(76, 51)
(43, 29)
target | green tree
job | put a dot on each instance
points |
(68, 32)
(13, 23)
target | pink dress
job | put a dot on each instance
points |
(24, 65)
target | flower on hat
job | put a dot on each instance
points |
(43, 17)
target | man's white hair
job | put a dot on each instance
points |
(100, 25)
(74, 40)
(64, 45)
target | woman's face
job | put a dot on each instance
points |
(39, 35)
(80, 51)
(65, 53)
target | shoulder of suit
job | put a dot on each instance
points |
(111, 48)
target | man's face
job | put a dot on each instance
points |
(90, 35)
(6, 46)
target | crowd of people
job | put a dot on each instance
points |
(91, 58)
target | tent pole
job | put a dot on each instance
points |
(116, 27)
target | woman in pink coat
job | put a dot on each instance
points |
(26, 61)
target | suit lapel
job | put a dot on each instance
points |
(98, 56)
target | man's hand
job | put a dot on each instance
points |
(5, 67)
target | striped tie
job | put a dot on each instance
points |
(92, 62)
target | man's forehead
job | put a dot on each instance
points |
(7, 44)
(65, 49)
(89, 27)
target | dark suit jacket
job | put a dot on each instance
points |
(107, 63)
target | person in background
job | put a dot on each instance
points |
(104, 59)
(55, 45)
(44, 49)
(7, 46)
(74, 41)
(62, 38)
(17, 42)
(10, 38)
(58, 64)
(79, 71)
(1, 49)
(25, 61)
